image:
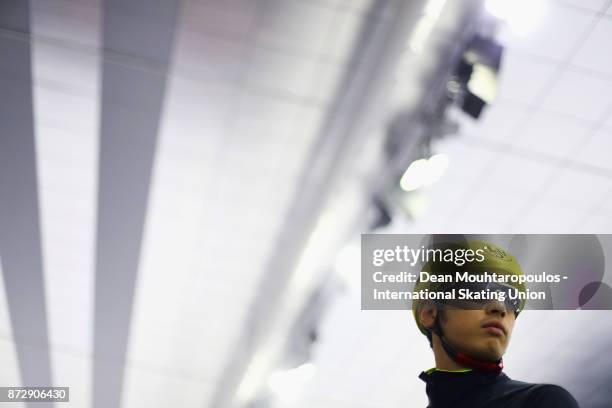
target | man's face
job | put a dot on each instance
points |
(482, 334)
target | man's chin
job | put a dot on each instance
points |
(494, 356)
(489, 352)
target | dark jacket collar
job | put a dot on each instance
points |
(448, 388)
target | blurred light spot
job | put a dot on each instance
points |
(251, 380)
(433, 8)
(483, 83)
(288, 384)
(416, 204)
(424, 172)
(522, 16)
(425, 25)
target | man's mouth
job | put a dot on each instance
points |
(495, 328)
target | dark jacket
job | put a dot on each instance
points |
(474, 389)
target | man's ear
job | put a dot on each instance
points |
(427, 314)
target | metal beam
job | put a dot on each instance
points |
(137, 45)
(357, 103)
(20, 240)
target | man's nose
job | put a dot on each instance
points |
(496, 307)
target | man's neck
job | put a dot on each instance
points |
(448, 364)
(443, 361)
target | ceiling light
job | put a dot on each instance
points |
(288, 384)
(424, 172)
(522, 16)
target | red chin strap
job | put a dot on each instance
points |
(479, 365)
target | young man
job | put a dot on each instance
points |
(469, 339)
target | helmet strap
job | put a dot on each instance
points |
(462, 358)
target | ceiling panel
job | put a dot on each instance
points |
(458, 185)
(596, 223)
(73, 22)
(578, 190)
(580, 95)
(591, 5)
(65, 68)
(362, 6)
(197, 124)
(346, 30)
(608, 122)
(592, 54)
(149, 388)
(224, 56)
(554, 135)
(297, 25)
(596, 151)
(281, 72)
(499, 124)
(606, 205)
(569, 327)
(262, 113)
(231, 17)
(325, 84)
(489, 210)
(522, 79)
(71, 369)
(546, 216)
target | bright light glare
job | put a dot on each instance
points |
(433, 8)
(416, 204)
(412, 178)
(424, 172)
(483, 83)
(251, 380)
(522, 16)
(288, 384)
(421, 34)
(426, 24)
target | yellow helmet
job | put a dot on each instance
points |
(494, 260)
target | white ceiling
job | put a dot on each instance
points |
(543, 145)
(248, 88)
